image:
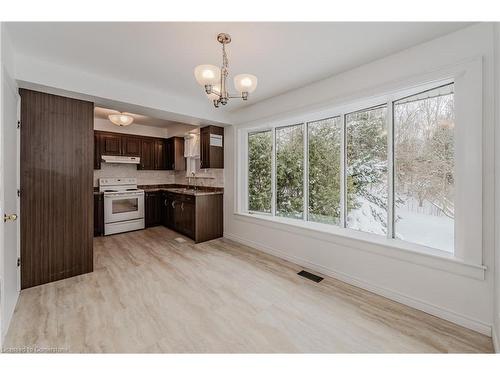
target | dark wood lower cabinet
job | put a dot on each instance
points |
(197, 217)
(168, 209)
(98, 215)
(153, 208)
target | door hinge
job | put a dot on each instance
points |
(18, 261)
(18, 193)
(18, 124)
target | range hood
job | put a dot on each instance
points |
(121, 159)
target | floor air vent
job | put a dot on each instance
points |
(310, 276)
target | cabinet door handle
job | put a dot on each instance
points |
(165, 203)
(173, 204)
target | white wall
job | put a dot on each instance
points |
(496, 298)
(33, 73)
(8, 115)
(462, 299)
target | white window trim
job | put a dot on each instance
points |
(467, 77)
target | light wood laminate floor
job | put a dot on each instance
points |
(151, 293)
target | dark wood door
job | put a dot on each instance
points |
(147, 154)
(205, 147)
(169, 154)
(98, 215)
(111, 144)
(57, 140)
(168, 210)
(179, 159)
(131, 146)
(153, 208)
(160, 155)
(188, 209)
(177, 217)
(97, 151)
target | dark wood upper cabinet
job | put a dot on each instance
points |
(174, 150)
(155, 153)
(56, 182)
(147, 153)
(160, 154)
(212, 147)
(111, 144)
(131, 146)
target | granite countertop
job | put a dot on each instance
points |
(192, 191)
(176, 188)
(183, 189)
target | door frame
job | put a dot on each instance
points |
(18, 184)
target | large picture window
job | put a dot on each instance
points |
(423, 168)
(386, 170)
(260, 150)
(324, 145)
(366, 141)
(290, 171)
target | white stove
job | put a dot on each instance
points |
(123, 205)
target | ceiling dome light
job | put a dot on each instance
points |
(121, 119)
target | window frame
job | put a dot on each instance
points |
(467, 78)
(248, 134)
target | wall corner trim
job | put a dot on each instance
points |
(496, 336)
(454, 317)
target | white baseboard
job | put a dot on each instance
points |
(418, 304)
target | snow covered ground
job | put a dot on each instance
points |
(420, 228)
(429, 230)
(362, 218)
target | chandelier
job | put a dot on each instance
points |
(214, 79)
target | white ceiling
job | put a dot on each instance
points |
(284, 56)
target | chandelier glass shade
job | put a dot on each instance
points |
(214, 79)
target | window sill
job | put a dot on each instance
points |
(397, 249)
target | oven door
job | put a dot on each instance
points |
(123, 207)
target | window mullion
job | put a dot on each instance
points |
(306, 173)
(273, 173)
(390, 169)
(343, 186)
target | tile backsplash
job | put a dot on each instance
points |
(205, 177)
(130, 170)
